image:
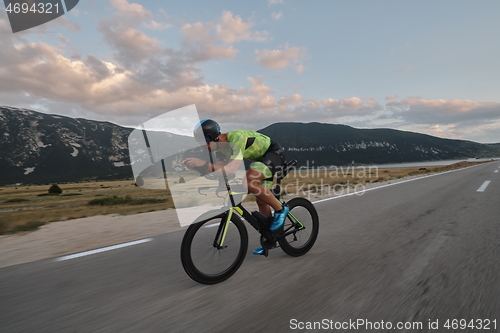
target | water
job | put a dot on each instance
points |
(406, 165)
(426, 164)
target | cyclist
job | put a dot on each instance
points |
(267, 156)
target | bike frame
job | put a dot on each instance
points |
(240, 210)
(245, 214)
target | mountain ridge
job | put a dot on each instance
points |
(38, 147)
(369, 146)
(42, 148)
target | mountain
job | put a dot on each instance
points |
(42, 148)
(328, 144)
(39, 148)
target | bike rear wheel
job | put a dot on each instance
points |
(203, 259)
(303, 223)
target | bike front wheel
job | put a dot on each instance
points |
(302, 226)
(210, 254)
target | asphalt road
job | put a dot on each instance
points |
(418, 252)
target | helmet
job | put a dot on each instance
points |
(206, 131)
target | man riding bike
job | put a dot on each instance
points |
(267, 156)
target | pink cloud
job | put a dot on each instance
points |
(130, 9)
(455, 105)
(279, 59)
(231, 28)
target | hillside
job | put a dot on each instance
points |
(327, 144)
(42, 148)
(39, 148)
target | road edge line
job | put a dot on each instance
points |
(103, 249)
(360, 193)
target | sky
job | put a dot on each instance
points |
(423, 66)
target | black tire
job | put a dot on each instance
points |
(301, 241)
(203, 262)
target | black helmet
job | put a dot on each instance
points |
(206, 131)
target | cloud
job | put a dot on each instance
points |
(106, 88)
(98, 68)
(131, 10)
(277, 16)
(201, 44)
(143, 78)
(456, 118)
(229, 29)
(214, 39)
(144, 84)
(440, 111)
(401, 70)
(121, 33)
(132, 45)
(274, 2)
(299, 69)
(279, 59)
(232, 29)
(198, 32)
(153, 25)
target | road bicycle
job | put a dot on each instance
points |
(215, 245)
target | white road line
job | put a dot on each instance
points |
(401, 182)
(484, 186)
(103, 249)
(496, 171)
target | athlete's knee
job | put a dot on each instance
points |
(253, 178)
(256, 190)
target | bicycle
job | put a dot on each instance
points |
(215, 246)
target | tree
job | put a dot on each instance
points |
(55, 189)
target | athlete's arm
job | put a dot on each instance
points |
(231, 167)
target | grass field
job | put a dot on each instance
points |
(24, 204)
(25, 208)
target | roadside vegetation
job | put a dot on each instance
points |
(25, 208)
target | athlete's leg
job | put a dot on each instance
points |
(265, 196)
(264, 208)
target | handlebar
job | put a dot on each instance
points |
(218, 189)
(287, 167)
(204, 188)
